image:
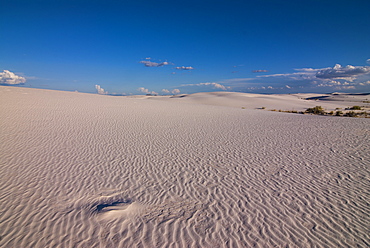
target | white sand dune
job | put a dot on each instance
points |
(299, 102)
(83, 170)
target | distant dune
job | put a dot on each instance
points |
(298, 102)
(200, 170)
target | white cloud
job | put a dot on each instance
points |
(184, 68)
(309, 69)
(214, 85)
(349, 87)
(146, 91)
(153, 64)
(175, 91)
(256, 71)
(348, 77)
(142, 89)
(364, 83)
(8, 77)
(368, 61)
(333, 82)
(340, 85)
(343, 72)
(100, 90)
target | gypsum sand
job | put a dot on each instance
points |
(84, 170)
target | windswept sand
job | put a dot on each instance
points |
(84, 170)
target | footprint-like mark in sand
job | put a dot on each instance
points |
(113, 206)
(109, 208)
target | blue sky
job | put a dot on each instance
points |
(165, 47)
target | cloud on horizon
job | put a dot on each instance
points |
(174, 91)
(146, 91)
(338, 72)
(9, 78)
(214, 85)
(100, 90)
(306, 80)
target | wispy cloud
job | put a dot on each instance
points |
(100, 90)
(303, 74)
(9, 78)
(148, 63)
(184, 68)
(257, 71)
(310, 69)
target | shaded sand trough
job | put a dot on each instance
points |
(82, 170)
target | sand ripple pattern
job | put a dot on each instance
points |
(80, 170)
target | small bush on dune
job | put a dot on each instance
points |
(318, 110)
(354, 108)
(351, 114)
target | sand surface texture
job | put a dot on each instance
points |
(83, 170)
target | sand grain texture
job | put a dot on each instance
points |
(82, 170)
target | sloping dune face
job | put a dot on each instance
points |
(80, 170)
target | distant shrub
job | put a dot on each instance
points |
(338, 113)
(353, 108)
(331, 113)
(318, 110)
(263, 108)
(351, 114)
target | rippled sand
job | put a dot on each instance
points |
(83, 170)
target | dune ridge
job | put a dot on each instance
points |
(82, 170)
